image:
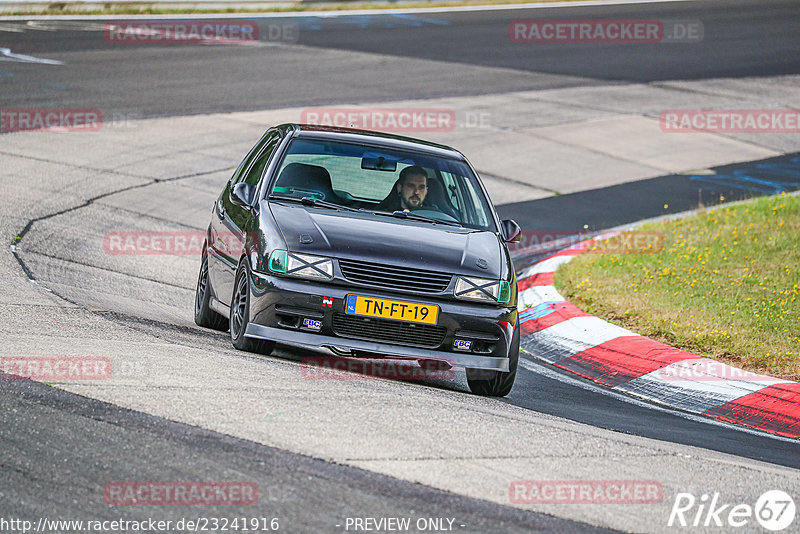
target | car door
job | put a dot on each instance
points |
(229, 220)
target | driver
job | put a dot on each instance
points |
(411, 190)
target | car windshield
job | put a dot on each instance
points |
(381, 180)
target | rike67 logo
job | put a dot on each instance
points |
(774, 510)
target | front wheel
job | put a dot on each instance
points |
(240, 315)
(496, 383)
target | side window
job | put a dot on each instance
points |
(472, 203)
(244, 167)
(257, 169)
(451, 190)
(237, 174)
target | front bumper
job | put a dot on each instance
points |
(279, 306)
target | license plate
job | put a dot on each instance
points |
(392, 309)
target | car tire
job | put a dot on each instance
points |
(203, 315)
(240, 315)
(496, 383)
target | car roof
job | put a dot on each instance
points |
(353, 135)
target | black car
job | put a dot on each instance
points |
(367, 244)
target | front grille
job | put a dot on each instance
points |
(391, 277)
(387, 331)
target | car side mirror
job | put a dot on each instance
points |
(242, 195)
(511, 231)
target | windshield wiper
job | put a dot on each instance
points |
(414, 217)
(317, 203)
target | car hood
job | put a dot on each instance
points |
(387, 240)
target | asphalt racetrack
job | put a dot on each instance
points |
(563, 136)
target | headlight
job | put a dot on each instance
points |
(301, 265)
(498, 291)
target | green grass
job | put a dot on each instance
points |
(725, 285)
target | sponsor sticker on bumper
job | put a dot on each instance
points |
(312, 324)
(462, 344)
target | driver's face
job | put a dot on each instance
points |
(412, 191)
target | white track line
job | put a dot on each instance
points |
(7, 55)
